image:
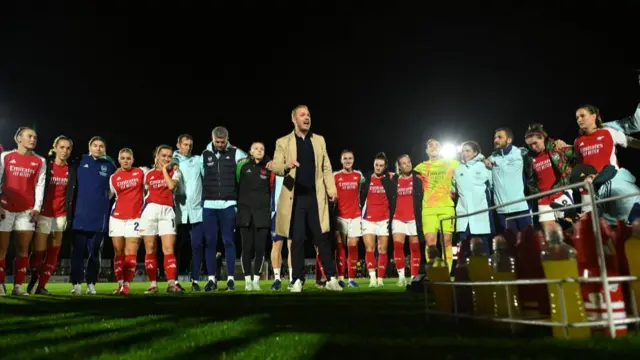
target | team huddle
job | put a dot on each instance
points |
(224, 189)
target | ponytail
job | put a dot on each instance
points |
(52, 152)
(593, 111)
(19, 132)
(157, 151)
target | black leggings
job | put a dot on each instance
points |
(254, 241)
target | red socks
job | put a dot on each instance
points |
(118, 267)
(170, 267)
(35, 263)
(151, 266)
(398, 255)
(370, 259)
(383, 259)
(341, 258)
(353, 262)
(20, 269)
(415, 258)
(49, 266)
(319, 269)
(130, 263)
(3, 271)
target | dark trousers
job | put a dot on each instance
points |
(305, 222)
(514, 225)
(225, 221)
(90, 242)
(465, 244)
(254, 243)
(193, 233)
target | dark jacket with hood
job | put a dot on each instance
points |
(255, 184)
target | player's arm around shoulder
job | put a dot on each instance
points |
(239, 167)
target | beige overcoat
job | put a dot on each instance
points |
(285, 152)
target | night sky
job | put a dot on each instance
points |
(374, 82)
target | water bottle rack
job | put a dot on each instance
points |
(605, 280)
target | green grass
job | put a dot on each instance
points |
(357, 323)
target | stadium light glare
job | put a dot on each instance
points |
(449, 150)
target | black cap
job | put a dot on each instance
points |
(580, 172)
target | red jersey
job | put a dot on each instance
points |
(599, 148)
(157, 190)
(348, 185)
(23, 179)
(128, 186)
(56, 197)
(404, 200)
(545, 176)
(377, 204)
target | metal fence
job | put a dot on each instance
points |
(603, 278)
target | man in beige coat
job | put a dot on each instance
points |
(308, 186)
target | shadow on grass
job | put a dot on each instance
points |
(351, 324)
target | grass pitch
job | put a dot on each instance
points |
(357, 323)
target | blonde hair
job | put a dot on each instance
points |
(19, 132)
(56, 141)
(157, 151)
(125, 150)
(293, 112)
(97, 138)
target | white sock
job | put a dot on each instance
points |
(153, 283)
(229, 278)
(401, 273)
(256, 278)
(290, 276)
(341, 278)
(350, 279)
(120, 282)
(126, 283)
(247, 278)
(372, 274)
(172, 282)
(194, 281)
(276, 273)
(212, 278)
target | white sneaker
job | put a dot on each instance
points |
(297, 286)
(372, 283)
(256, 285)
(3, 290)
(77, 289)
(402, 282)
(332, 285)
(18, 290)
(91, 289)
(248, 287)
(380, 282)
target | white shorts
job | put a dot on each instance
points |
(564, 200)
(157, 220)
(377, 228)
(47, 225)
(404, 227)
(124, 228)
(17, 221)
(351, 228)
